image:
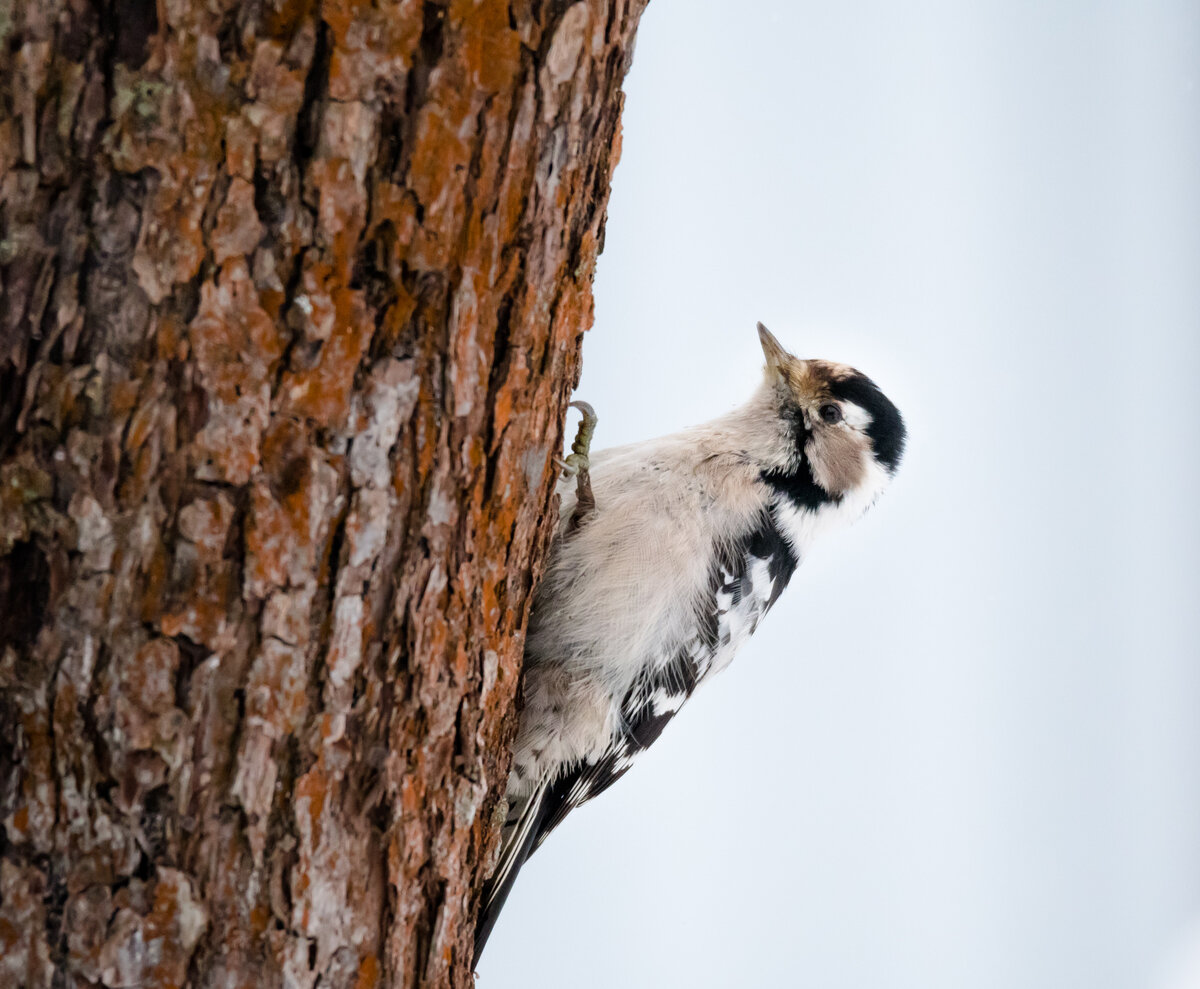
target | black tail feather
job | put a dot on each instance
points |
(528, 824)
(522, 837)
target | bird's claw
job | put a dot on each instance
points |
(578, 463)
(577, 459)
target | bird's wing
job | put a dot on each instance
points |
(644, 715)
(746, 579)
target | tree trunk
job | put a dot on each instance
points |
(293, 292)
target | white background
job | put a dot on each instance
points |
(964, 750)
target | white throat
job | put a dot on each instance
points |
(801, 527)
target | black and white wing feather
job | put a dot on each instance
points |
(745, 581)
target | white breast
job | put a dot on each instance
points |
(621, 592)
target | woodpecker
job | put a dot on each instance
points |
(669, 553)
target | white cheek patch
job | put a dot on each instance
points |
(856, 415)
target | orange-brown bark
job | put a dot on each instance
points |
(293, 292)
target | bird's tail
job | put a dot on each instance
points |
(522, 830)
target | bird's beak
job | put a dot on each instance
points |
(773, 350)
(782, 367)
(784, 370)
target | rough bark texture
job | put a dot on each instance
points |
(293, 292)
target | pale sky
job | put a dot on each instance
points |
(963, 752)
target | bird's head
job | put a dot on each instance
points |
(843, 438)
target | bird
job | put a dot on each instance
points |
(668, 554)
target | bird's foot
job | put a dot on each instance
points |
(577, 459)
(577, 465)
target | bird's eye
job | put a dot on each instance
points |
(830, 413)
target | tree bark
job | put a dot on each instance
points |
(293, 293)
